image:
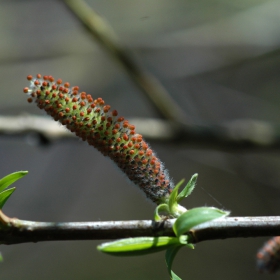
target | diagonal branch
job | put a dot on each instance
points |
(104, 34)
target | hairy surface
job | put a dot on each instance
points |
(102, 128)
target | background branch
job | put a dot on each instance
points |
(14, 231)
(235, 135)
(104, 34)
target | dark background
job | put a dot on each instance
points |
(219, 60)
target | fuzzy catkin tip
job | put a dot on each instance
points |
(101, 127)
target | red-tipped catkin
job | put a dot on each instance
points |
(102, 128)
(268, 257)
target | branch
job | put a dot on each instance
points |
(235, 135)
(104, 34)
(235, 227)
(15, 231)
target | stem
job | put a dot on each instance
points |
(235, 227)
(15, 231)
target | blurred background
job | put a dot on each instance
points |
(219, 60)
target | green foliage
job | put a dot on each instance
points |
(169, 257)
(195, 217)
(185, 221)
(163, 208)
(4, 196)
(5, 182)
(188, 188)
(140, 245)
(171, 207)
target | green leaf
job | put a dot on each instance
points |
(188, 188)
(174, 276)
(190, 246)
(195, 217)
(169, 258)
(160, 208)
(11, 178)
(171, 253)
(138, 245)
(173, 196)
(5, 195)
(184, 239)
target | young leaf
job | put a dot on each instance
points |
(188, 188)
(173, 196)
(5, 195)
(169, 257)
(138, 245)
(195, 217)
(11, 178)
(160, 208)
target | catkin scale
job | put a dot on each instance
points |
(113, 136)
(268, 257)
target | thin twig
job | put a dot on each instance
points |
(104, 34)
(246, 135)
(14, 231)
